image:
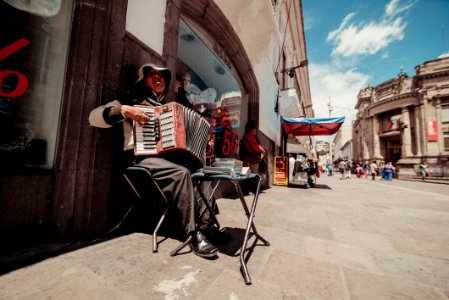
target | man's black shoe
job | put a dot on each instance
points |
(217, 237)
(201, 246)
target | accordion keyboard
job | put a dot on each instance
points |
(146, 135)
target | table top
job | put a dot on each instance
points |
(213, 177)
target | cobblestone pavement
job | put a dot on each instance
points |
(344, 239)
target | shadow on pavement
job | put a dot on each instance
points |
(322, 186)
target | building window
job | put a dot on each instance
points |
(445, 113)
(391, 123)
(205, 83)
(446, 141)
(33, 54)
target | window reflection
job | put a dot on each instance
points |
(33, 52)
(206, 84)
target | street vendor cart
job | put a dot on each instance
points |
(302, 169)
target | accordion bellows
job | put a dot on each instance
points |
(174, 132)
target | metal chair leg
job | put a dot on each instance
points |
(180, 247)
(161, 220)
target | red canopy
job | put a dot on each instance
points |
(312, 126)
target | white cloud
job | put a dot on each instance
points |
(342, 86)
(396, 7)
(445, 54)
(355, 39)
(390, 8)
(367, 39)
(309, 21)
(334, 33)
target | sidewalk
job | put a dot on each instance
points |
(438, 180)
(339, 240)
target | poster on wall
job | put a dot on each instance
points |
(432, 132)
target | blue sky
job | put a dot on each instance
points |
(353, 43)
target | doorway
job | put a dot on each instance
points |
(393, 150)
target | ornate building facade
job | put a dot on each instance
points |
(405, 120)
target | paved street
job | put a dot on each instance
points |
(345, 239)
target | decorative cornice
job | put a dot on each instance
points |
(432, 75)
(391, 99)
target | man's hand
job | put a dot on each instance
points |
(136, 114)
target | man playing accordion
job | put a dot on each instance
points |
(174, 180)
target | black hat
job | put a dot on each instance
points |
(145, 68)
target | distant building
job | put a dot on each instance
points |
(405, 120)
(342, 148)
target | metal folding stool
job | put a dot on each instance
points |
(144, 187)
(201, 177)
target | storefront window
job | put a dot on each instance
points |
(33, 52)
(206, 84)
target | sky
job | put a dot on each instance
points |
(355, 43)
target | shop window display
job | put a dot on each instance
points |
(206, 84)
(33, 53)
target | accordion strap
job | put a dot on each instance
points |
(155, 103)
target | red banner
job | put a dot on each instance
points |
(432, 131)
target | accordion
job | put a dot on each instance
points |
(174, 132)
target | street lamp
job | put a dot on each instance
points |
(291, 71)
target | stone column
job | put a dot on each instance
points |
(365, 150)
(406, 133)
(376, 140)
(423, 123)
(439, 131)
(418, 123)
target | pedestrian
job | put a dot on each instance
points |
(330, 170)
(359, 171)
(253, 150)
(373, 170)
(387, 171)
(174, 179)
(366, 170)
(342, 169)
(423, 170)
(348, 169)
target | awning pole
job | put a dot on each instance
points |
(283, 140)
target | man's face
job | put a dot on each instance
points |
(155, 80)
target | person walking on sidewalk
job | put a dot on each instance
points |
(330, 170)
(423, 170)
(359, 171)
(373, 170)
(366, 170)
(348, 169)
(342, 169)
(387, 171)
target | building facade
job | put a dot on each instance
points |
(342, 145)
(61, 60)
(405, 120)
